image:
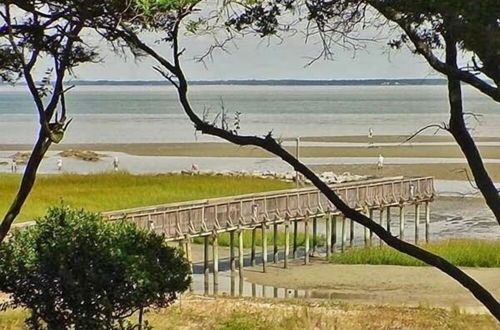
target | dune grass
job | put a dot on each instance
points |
(466, 253)
(113, 191)
(266, 314)
(224, 239)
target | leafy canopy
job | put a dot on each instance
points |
(73, 270)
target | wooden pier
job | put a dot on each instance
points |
(283, 211)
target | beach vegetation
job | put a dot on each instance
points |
(224, 239)
(460, 252)
(120, 190)
(246, 313)
(74, 270)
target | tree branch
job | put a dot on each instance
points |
(270, 144)
(458, 129)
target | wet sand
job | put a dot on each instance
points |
(379, 284)
(211, 149)
(389, 138)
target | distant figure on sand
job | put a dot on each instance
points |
(370, 137)
(13, 166)
(195, 168)
(59, 164)
(380, 162)
(115, 164)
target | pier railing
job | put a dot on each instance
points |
(204, 217)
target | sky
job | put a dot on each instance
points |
(257, 58)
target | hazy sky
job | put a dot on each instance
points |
(256, 58)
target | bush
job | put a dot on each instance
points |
(73, 270)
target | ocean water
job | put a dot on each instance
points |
(107, 114)
(127, 114)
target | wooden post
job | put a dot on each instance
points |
(306, 240)
(264, 247)
(417, 222)
(381, 221)
(206, 270)
(182, 247)
(240, 254)
(287, 242)
(401, 222)
(388, 224)
(232, 258)
(275, 243)
(315, 236)
(328, 229)
(427, 221)
(189, 257)
(233, 284)
(334, 232)
(371, 232)
(240, 286)
(252, 253)
(344, 234)
(215, 250)
(366, 231)
(351, 234)
(295, 234)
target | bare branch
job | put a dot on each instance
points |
(437, 126)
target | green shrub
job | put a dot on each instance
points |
(73, 270)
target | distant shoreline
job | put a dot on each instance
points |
(264, 82)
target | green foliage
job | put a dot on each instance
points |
(466, 253)
(74, 270)
(224, 240)
(149, 7)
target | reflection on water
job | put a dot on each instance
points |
(230, 284)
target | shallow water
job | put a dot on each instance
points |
(107, 114)
(161, 164)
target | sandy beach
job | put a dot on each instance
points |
(223, 149)
(390, 138)
(443, 160)
(379, 284)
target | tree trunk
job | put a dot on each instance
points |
(27, 182)
(463, 138)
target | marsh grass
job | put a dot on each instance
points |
(248, 314)
(224, 239)
(463, 252)
(113, 191)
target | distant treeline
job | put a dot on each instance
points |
(282, 82)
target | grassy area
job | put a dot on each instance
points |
(246, 314)
(467, 253)
(112, 191)
(224, 239)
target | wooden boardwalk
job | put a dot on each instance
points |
(280, 210)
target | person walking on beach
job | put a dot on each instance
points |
(380, 162)
(115, 164)
(59, 164)
(370, 137)
(13, 166)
